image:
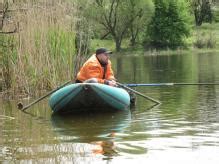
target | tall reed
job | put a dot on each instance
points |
(40, 55)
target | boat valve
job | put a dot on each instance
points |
(86, 87)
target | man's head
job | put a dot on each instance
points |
(103, 55)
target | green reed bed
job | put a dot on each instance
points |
(44, 66)
(39, 56)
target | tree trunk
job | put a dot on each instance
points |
(134, 35)
(203, 12)
(198, 19)
(118, 44)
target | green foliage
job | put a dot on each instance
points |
(144, 9)
(83, 27)
(202, 10)
(60, 43)
(205, 40)
(8, 58)
(170, 24)
(216, 14)
(206, 36)
(121, 19)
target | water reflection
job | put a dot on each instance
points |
(90, 126)
(91, 134)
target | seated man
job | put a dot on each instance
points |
(97, 69)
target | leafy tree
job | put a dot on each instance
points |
(169, 25)
(202, 10)
(138, 25)
(82, 33)
(118, 17)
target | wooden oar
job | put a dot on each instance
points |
(168, 84)
(138, 93)
(23, 108)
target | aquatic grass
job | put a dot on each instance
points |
(7, 59)
(40, 55)
(61, 48)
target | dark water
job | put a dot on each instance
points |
(184, 128)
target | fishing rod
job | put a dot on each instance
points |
(138, 93)
(167, 84)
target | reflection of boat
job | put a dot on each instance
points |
(89, 96)
(90, 127)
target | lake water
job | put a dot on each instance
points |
(183, 129)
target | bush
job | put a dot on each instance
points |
(211, 41)
(200, 41)
(170, 24)
(204, 40)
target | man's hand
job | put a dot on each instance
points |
(112, 83)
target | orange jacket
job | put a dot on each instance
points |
(93, 69)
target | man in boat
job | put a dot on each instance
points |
(97, 69)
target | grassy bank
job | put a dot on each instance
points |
(206, 36)
(203, 39)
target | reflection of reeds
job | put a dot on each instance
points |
(40, 55)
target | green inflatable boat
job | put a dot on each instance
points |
(89, 97)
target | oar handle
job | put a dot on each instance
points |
(138, 93)
(41, 98)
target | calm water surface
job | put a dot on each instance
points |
(184, 128)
